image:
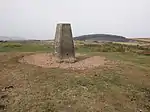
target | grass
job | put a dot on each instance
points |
(112, 47)
(142, 39)
(124, 87)
(18, 47)
(128, 43)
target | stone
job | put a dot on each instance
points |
(4, 96)
(63, 43)
(9, 87)
(2, 107)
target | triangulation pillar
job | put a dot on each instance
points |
(64, 45)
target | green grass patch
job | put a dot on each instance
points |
(24, 47)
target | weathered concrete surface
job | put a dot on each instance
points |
(64, 45)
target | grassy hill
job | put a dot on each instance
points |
(102, 37)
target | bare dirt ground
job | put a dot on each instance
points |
(47, 60)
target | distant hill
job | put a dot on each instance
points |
(5, 38)
(102, 37)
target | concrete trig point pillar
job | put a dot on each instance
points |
(64, 45)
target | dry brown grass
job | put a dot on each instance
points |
(142, 39)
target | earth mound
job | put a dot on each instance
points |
(47, 60)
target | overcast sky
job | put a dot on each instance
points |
(37, 19)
